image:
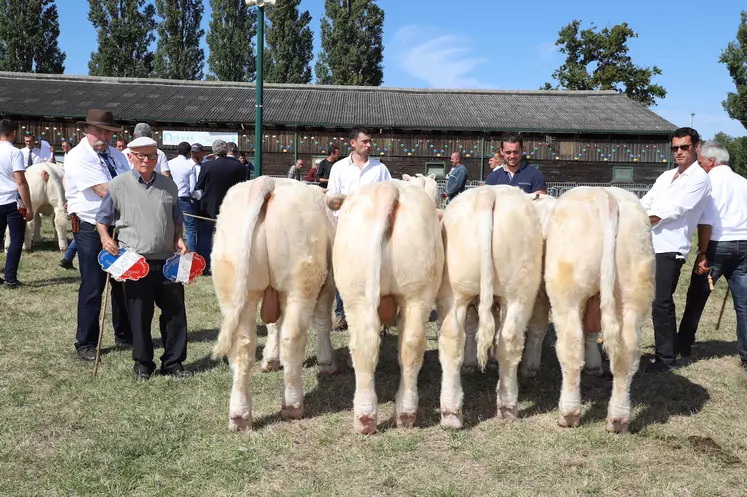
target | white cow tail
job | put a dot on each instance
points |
(259, 192)
(484, 220)
(609, 219)
(385, 203)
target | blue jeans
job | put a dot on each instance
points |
(72, 249)
(12, 219)
(190, 225)
(730, 260)
(92, 283)
(339, 309)
(205, 231)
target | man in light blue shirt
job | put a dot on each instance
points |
(184, 174)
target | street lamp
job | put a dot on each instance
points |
(259, 81)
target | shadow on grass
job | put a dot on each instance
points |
(711, 349)
(61, 280)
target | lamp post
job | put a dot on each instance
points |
(259, 81)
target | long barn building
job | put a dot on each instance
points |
(572, 136)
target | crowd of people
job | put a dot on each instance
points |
(130, 195)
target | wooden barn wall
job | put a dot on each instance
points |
(572, 158)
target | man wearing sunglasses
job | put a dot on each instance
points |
(144, 207)
(675, 205)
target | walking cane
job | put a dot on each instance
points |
(101, 325)
(723, 305)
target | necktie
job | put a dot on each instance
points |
(109, 163)
(28, 162)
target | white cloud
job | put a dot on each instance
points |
(441, 60)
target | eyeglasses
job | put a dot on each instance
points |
(153, 156)
(684, 148)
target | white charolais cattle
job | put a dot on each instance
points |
(599, 242)
(47, 198)
(388, 254)
(493, 247)
(273, 242)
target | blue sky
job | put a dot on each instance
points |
(486, 44)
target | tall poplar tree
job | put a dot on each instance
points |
(124, 32)
(352, 48)
(28, 37)
(178, 54)
(290, 44)
(230, 38)
(735, 58)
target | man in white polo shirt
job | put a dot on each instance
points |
(727, 251)
(348, 175)
(90, 167)
(12, 184)
(675, 205)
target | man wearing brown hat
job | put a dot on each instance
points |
(89, 168)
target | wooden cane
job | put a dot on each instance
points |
(101, 325)
(723, 305)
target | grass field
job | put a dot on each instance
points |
(62, 433)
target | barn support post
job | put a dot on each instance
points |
(482, 157)
(295, 149)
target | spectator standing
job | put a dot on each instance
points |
(91, 165)
(311, 175)
(184, 175)
(32, 154)
(514, 170)
(674, 205)
(295, 170)
(12, 185)
(325, 167)
(727, 250)
(456, 181)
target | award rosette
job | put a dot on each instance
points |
(184, 268)
(127, 265)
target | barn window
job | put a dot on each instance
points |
(437, 168)
(622, 174)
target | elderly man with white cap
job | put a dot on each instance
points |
(143, 206)
(89, 167)
(162, 163)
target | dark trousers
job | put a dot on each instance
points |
(339, 308)
(72, 249)
(12, 219)
(730, 260)
(668, 266)
(205, 231)
(92, 283)
(142, 296)
(190, 224)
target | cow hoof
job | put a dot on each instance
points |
(508, 413)
(529, 373)
(364, 424)
(569, 420)
(406, 419)
(270, 366)
(617, 425)
(451, 421)
(327, 368)
(240, 422)
(596, 372)
(292, 412)
(468, 370)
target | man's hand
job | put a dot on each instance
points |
(701, 264)
(654, 220)
(29, 215)
(110, 245)
(181, 246)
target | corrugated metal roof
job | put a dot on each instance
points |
(170, 101)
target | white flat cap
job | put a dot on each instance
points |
(143, 141)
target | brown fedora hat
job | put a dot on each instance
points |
(101, 119)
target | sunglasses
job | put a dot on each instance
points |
(684, 148)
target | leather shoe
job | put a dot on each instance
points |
(141, 374)
(66, 264)
(87, 354)
(657, 367)
(177, 372)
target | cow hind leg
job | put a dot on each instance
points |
(60, 227)
(411, 351)
(293, 336)
(364, 349)
(242, 360)
(624, 354)
(29, 234)
(451, 349)
(37, 229)
(570, 350)
(325, 353)
(536, 331)
(271, 352)
(510, 348)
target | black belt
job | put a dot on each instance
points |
(185, 198)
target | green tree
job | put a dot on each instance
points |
(178, 53)
(124, 33)
(599, 60)
(735, 58)
(28, 37)
(230, 38)
(352, 49)
(290, 44)
(737, 147)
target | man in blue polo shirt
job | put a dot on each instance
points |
(515, 171)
